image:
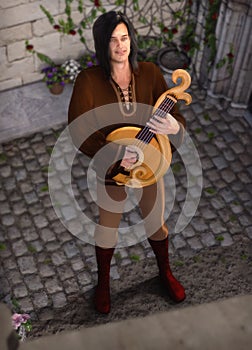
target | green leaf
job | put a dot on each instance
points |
(2, 246)
(135, 257)
(45, 58)
(48, 14)
(210, 190)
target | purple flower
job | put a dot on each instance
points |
(62, 83)
(18, 319)
(89, 64)
(49, 75)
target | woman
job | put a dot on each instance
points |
(119, 79)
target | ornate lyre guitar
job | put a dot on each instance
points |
(154, 149)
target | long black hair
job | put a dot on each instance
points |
(102, 31)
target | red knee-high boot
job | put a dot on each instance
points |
(102, 292)
(175, 289)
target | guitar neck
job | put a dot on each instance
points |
(145, 134)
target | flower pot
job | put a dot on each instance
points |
(56, 89)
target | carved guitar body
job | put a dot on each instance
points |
(155, 157)
(154, 150)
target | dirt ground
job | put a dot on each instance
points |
(213, 274)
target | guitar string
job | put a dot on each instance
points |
(159, 112)
(146, 135)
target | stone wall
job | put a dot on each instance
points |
(21, 20)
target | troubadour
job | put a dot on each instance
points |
(119, 79)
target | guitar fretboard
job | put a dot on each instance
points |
(145, 134)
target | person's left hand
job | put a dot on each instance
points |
(165, 126)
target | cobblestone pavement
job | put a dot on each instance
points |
(43, 265)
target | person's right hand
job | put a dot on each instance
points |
(130, 157)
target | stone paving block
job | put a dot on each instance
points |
(194, 243)
(31, 197)
(227, 240)
(5, 286)
(46, 270)
(5, 208)
(8, 220)
(20, 291)
(248, 231)
(53, 285)
(245, 220)
(199, 224)
(208, 239)
(25, 221)
(77, 264)
(27, 265)
(71, 286)
(227, 195)
(178, 242)
(14, 277)
(229, 136)
(9, 263)
(220, 162)
(84, 278)
(30, 234)
(33, 282)
(26, 305)
(36, 209)
(59, 300)
(47, 235)
(114, 273)
(71, 249)
(216, 227)
(228, 175)
(58, 258)
(19, 247)
(40, 300)
(64, 272)
(19, 208)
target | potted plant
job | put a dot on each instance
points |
(55, 75)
